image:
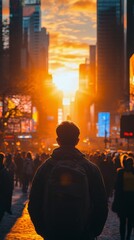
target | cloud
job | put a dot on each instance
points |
(71, 33)
(84, 6)
(71, 25)
(67, 54)
(6, 7)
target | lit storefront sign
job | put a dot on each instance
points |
(103, 124)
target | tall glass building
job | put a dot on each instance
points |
(130, 48)
(130, 27)
(1, 45)
(32, 24)
(115, 47)
(38, 38)
(15, 37)
(110, 54)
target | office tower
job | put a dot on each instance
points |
(38, 38)
(24, 52)
(130, 28)
(130, 48)
(111, 81)
(1, 43)
(92, 69)
(87, 72)
(84, 76)
(44, 46)
(32, 24)
(15, 38)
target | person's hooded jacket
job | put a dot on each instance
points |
(98, 193)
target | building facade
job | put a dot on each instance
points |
(15, 38)
(115, 47)
(37, 37)
(110, 54)
(130, 49)
(43, 51)
(130, 28)
(32, 24)
(112, 64)
(92, 70)
(1, 43)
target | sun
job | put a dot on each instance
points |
(66, 81)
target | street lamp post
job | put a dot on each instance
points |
(105, 140)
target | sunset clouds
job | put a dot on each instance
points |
(72, 28)
(71, 25)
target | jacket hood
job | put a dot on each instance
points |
(66, 153)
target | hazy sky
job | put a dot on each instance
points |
(72, 28)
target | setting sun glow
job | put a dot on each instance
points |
(66, 81)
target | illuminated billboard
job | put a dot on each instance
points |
(22, 116)
(127, 126)
(103, 124)
(21, 103)
(1, 108)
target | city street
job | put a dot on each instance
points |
(19, 226)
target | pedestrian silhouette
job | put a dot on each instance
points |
(123, 203)
(10, 166)
(68, 197)
(6, 188)
(37, 162)
(19, 168)
(108, 171)
(28, 171)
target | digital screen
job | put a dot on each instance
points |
(103, 124)
(1, 110)
(21, 104)
(127, 126)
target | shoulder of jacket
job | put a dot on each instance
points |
(46, 164)
(90, 167)
(120, 170)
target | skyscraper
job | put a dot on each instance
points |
(111, 84)
(15, 38)
(1, 48)
(130, 48)
(32, 24)
(130, 27)
(1, 44)
(38, 38)
(44, 46)
(115, 47)
(92, 68)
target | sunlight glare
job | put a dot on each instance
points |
(66, 81)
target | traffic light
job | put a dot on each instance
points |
(127, 126)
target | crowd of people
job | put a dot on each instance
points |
(117, 169)
(16, 169)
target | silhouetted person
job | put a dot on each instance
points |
(28, 171)
(44, 157)
(10, 166)
(19, 168)
(37, 162)
(123, 203)
(6, 188)
(68, 198)
(108, 172)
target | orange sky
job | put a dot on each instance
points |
(72, 28)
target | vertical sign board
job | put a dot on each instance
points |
(103, 124)
(127, 126)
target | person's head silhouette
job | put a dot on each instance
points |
(67, 134)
